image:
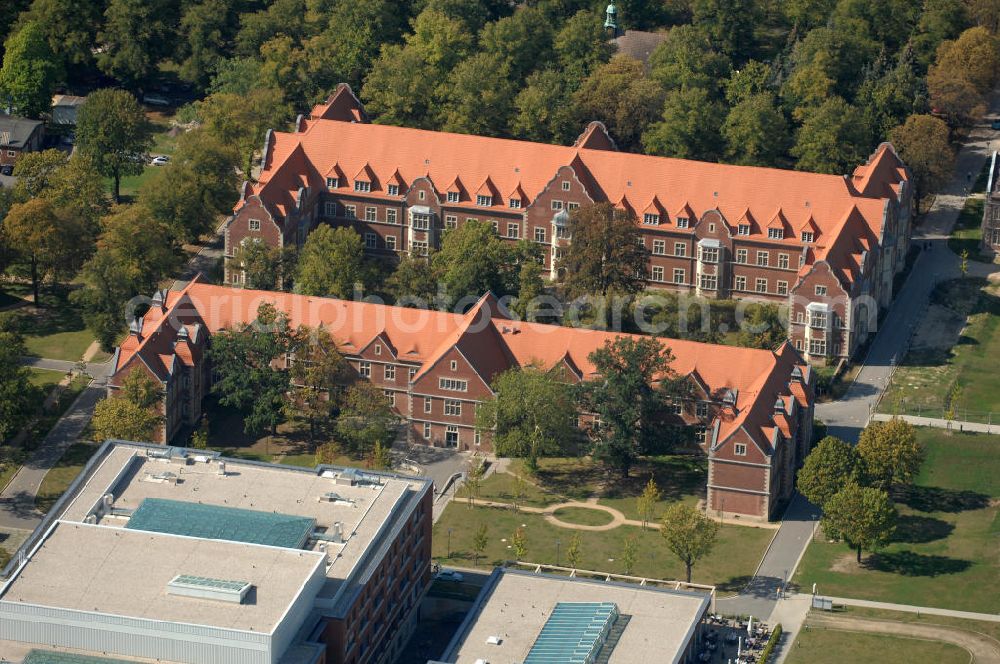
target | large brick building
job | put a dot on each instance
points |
(827, 245)
(753, 409)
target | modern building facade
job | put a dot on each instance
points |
(171, 555)
(990, 243)
(828, 246)
(752, 409)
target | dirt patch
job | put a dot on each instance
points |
(846, 564)
(940, 328)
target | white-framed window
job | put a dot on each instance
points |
(783, 261)
(421, 195)
(807, 236)
(477, 438)
(371, 240)
(679, 275)
(657, 273)
(254, 224)
(419, 248)
(741, 256)
(514, 230)
(709, 282)
(412, 372)
(453, 365)
(421, 222)
(562, 232)
(452, 407)
(514, 203)
(390, 372)
(371, 213)
(782, 288)
(741, 283)
(450, 221)
(818, 319)
(761, 285)
(350, 211)
(453, 384)
(539, 234)
(390, 215)
(557, 205)
(332, 183)
(362, 185)
(800, 317)
(565, 185)
(682, 222)
(428, 404)
(821, 290)
(393, 190)
(680, 249)
(452, 196)
(377, 348)
(709, 254)
(817, 346)
(427, 430)
(572, 206)
(390, 396)
(330, 208)
(775, 234)
(493, 222)
(484, 201)
(390, 242)
(743, 229)
(798, 344)
(701, 409)
(740, 449)
(762, 258)
(659, 247)
(365, 369)
(651, 219)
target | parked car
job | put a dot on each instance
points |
(449, 575)
(156, 100)
(995, 124)
(160, 160)
(7, 169)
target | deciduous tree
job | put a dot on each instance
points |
(473, 260)
(574, 552)
(763, 326)
(113, 132)
(18, 398)
(29, 73)
(331, 263)
(318, 375)
(530, 415)
(864, 517)
(688, 533)
(366, 419)
(646, 502)
(974, 56)
(519, 540)
(131, 413)
(922, 143)
(890, 453)
(755, 131)
(828, 468)
(263, 267)
(686, 58)
(45, 240)
(630, 553)
(480, 540)
(621, 96)
(413, 282)
(241, 119)
(833, 139)
(689, 126)
(136, 35)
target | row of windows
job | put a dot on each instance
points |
(763, 259)
(760, 285)
(660, 248)
(657, 274)
(330, 209)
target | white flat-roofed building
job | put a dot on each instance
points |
(510, 622)
(174, 555)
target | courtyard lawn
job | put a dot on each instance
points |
(583, 516)
(56, 329)
(58, 479)
(991, 629)
(502, 487)
(927, 377)
(45, 379)
(817, 645)
(731, 563)
(944, 552)
(967, 233)
(163, 143)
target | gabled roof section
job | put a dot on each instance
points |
(518, 193)
(397, 180)
(746, 219)
(624, 204)
(881, 175)
(809, 225)
(595, 137)
(685, 211)
(456, 186)
(341, 105)
(365, 174)
(655, 207)
(778, 220)
(487, 188)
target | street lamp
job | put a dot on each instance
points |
(449, 542)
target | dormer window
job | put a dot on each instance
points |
(394, 190)
(515, 203)
(362, 185)
(452, 196)
(682, 222)
(775, 234)
(807, 236)
(332, 183)
(743, 229)
(651, 219)
(484, 201)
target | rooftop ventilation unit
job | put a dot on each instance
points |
(347, 478)
(494, 640)
(164, 477)
(159, 453)
(336, 498)
(203, 587)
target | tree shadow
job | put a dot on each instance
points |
(914, 529)
(676, 476)
(936, 499)
(910, 563)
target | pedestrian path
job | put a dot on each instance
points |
(922, 610)
(954, 425)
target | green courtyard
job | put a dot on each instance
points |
(944, 552)
(818, 645)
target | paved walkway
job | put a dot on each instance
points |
(923, 610)
(983, 649)
(954, 425)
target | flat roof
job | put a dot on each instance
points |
(122, 572)
(519, 604)
(53, 657)
(235, 524)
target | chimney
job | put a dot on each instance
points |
(135, 328)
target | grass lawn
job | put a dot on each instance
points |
(44, 378)
(926, 377)
(967, 233)
(56, 330)
(58, 479)
(583, 516)
(945, 552)
(502, 487)
(163, 143)
(815, 645)
(733, 560)
(991, 629)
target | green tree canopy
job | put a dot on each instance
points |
(331, 263)
(833, 139)
(922, 143)
(828, 468)
(756, 132)
(686, 58)
(131, 412)
(531, 414)
(473, 260)
(763, 326)
(890, 453)
(29, 73)
(318, 374)
(113, 132)
(263, 267)
(366, 419)
(477, 96)
(974, 56)
(137, 34)
(688, 534)
(621, 96)
(18, 397)
(413, 282)
(241, 119)
(864, 517)
(689, 128)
